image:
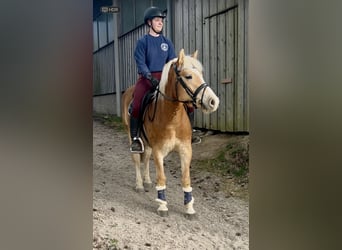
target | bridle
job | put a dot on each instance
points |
(192, 95)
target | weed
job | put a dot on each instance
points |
(112, 244)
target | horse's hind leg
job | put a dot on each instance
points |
(138, 180)
(146, 160)
(161, 184)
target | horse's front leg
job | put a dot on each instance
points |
(146, 173)
(138, 180)
(161, 183)
(185, 154)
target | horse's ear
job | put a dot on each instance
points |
(181, 57)
(194, 55)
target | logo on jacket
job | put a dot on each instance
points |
(164, 46)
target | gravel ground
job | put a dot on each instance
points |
(125, 219)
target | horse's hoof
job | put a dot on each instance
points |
(190, 216)
(163, 213)
(140, 190)
(148, 186)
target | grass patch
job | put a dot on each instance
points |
(232, 160)
(110, 120)
(112, 244)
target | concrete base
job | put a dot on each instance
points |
(105, 104)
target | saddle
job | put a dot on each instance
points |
(147, 99)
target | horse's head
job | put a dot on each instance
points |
(192, 88)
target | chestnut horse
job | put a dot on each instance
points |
(166, 126)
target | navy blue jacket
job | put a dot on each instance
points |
(151, 53)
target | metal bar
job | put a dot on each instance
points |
(109, 93)
(221, 12)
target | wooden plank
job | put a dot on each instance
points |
(198, 24)
(240, 93)
(246, 2)
(221, 5)
(230, 62)
(178, 32)
(185, 26)
(199, 29)
(191, 27)
(221, 67)
(213, 59)
(206, 57)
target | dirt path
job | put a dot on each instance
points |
(125, 219)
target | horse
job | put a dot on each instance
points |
(166, 126)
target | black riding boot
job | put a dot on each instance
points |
(194, 139)
(137, 145)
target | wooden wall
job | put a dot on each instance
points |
(103, 71)
(128, 68)
(217, 28)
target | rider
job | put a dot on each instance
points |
(152, 51)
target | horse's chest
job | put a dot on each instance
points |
(168, 146)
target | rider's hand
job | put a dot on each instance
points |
(153, 80)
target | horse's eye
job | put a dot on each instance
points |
(188, 77)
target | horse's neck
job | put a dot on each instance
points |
(171, 94)
(167, 105)
(169, 108)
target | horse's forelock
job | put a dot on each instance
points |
(193, 64)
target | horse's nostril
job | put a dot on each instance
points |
(212, 103)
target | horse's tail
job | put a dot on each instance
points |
(126, 100)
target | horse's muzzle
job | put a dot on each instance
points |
(213, 104)
(210, 101)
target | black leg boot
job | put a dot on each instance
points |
(137, 145)
(194, 139)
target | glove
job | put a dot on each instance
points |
(153, 80)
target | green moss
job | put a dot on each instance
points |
(233, 160)
(110, 120)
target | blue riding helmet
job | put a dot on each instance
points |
(153, 12)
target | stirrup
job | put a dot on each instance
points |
(138, 147)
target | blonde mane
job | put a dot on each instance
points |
(165, 74)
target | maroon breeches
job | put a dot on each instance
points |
(142, 86)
